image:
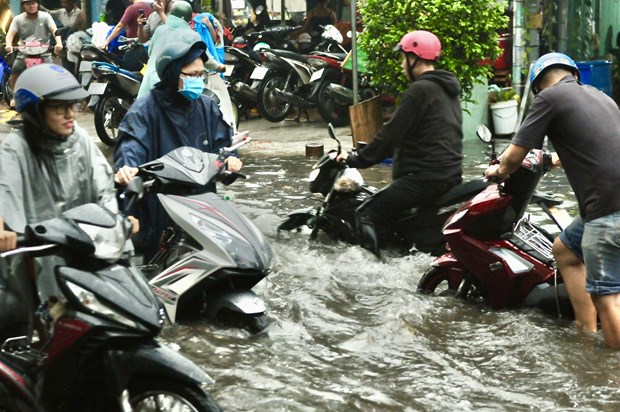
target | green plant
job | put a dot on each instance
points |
(497, 94)
(468, 31)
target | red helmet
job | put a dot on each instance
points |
(423, 44)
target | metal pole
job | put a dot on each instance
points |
(282, 11)
(354, 49)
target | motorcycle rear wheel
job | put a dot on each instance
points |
(439, 281)
(108, 115)
(7, 92)
(159, 394)
(269, 105)
(329, 109)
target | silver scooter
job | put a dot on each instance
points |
(211, 255)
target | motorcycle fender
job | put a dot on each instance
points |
(446, 260)
(153, 359)
(92, 102)
(297, 219)
(246, 302)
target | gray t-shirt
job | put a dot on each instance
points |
(38, 29)
(583, 124)
(152, 23)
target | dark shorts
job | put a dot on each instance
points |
(571, 236)
(601, 252)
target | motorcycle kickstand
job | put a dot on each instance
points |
(298, 118)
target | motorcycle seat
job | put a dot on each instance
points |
(336, 56)
(290, 55)
(115, 68)
(460, 193)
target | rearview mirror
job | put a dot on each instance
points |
(484, 133)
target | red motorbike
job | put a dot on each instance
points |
(496, 253)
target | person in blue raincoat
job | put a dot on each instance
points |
(212, 34)
(174, 114)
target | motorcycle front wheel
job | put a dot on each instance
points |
(439, 281)
(108, 115)
(7, 92)
(269, 105)
(166, 395)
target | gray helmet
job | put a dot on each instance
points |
(46, 82)
(175, 51)
(182, 10)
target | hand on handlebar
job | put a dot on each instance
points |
(233, 164)
(492, 173)
(124, 175)
(57, 48)
(8, 239)
(342, 157)
(8, 49)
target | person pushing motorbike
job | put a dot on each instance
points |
(584, 126)
(424, 137)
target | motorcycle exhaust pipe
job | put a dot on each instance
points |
(344, 95)
(245, 90)
(291, 98)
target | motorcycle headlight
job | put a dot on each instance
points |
(317, 63)
(109, 241)
(90, 301)
(229, 57)
(88, 55)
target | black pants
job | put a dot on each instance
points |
(402, 194)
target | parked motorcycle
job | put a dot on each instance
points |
(210, 256)
(98, 350)
(113, 91)
(286, 81)
(344, 190)
(240, 63)
(496, 252)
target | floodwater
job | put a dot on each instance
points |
(351, 334)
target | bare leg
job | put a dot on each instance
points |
(608, 307)
(574, 274)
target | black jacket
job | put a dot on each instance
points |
(424, 136)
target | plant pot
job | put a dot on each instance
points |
(505, 115)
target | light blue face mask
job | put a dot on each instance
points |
(192, 87)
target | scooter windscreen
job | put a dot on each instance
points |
(185, 165)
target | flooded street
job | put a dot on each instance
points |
(350, 332)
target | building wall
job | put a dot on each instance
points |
(609, 25)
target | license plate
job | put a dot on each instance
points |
(229, 69)
(85, 78)
(259, 73)
(85, 66)
(97, 88)
(316, 75)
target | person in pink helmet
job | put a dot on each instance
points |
(424, 138)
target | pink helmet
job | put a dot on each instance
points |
(423, 44)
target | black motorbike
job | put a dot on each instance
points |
(113, 90)
(97, 347)
(344, 190)
(240, 63)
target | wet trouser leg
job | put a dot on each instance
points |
(386, 205)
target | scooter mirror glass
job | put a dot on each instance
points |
(484, 133)
(332, 131)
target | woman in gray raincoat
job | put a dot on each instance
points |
(47, 166)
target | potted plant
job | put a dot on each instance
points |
(504, 105)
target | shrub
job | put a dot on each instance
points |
(468, 30)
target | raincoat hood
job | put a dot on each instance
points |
(445, 79)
